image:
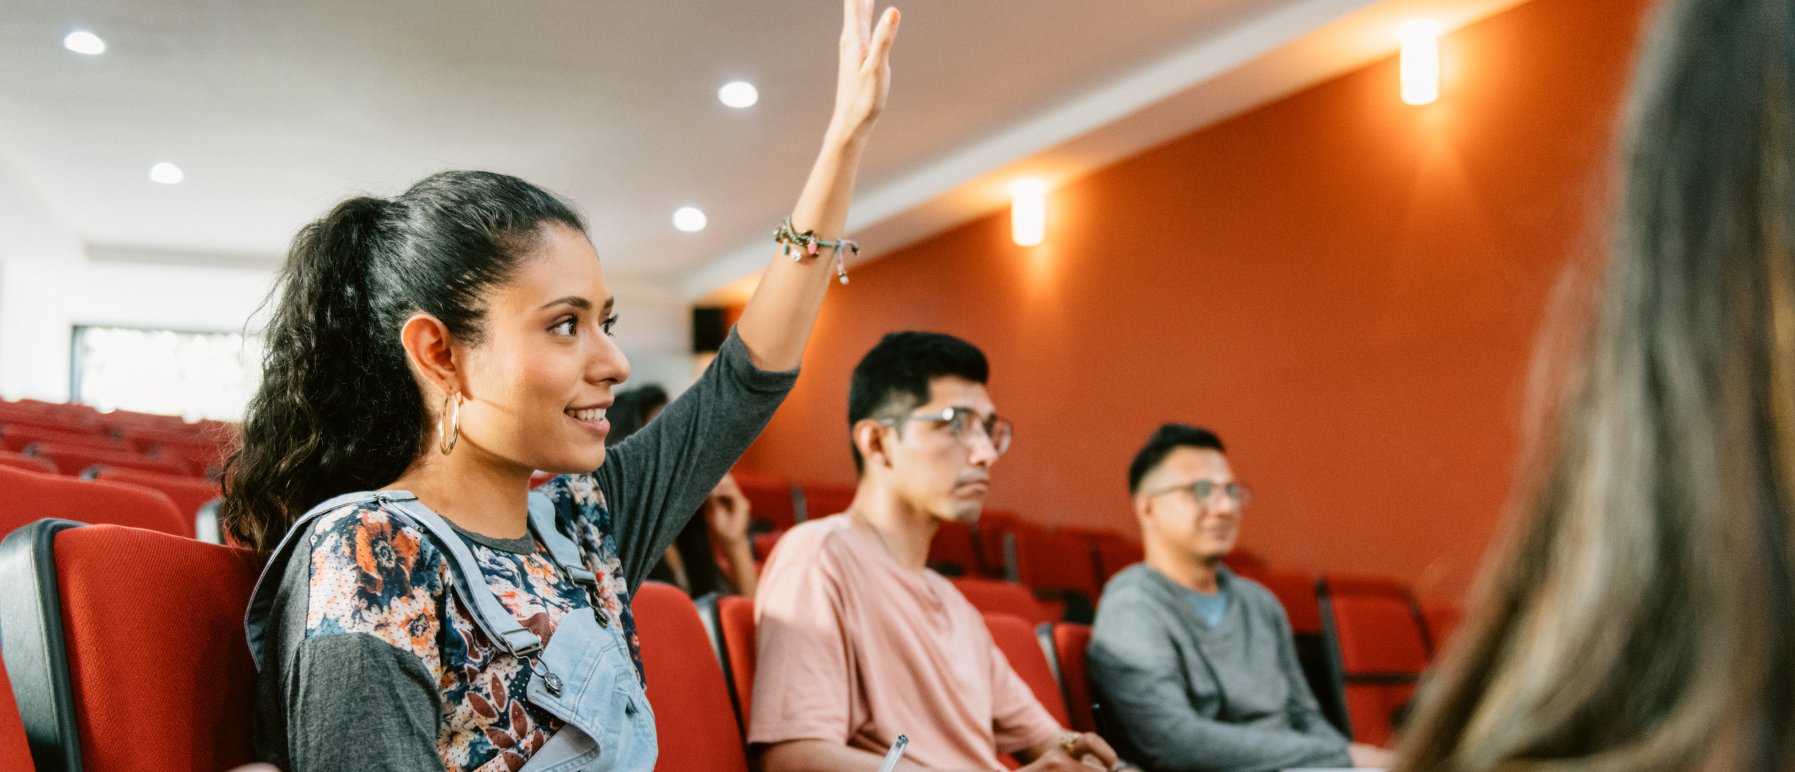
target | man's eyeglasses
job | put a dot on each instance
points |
(963, 423)
(1203, 489)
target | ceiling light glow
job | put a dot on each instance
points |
(738, 94)
(689, 219)
(167, 173)
(1028, 211)
(84, 42)
(1420, 61)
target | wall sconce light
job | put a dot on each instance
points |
(1028, 211)
(1420, 61)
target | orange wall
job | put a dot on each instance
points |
(1345, 287)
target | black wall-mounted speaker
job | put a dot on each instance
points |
(709, 327)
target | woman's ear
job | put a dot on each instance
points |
(431, 351)
(869, 439)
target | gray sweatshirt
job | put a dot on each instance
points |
(1191, 698)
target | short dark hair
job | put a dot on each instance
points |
(1166, 439)
(894, 376)
(630, 410)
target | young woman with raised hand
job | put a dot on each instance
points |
(421, 609)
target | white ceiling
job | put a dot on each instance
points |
(277, 109)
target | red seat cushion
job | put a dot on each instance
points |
(685, 684)
(994, 597)
(158, 661)
(1015, 637)
(32, 496)
(15, 751)
(1051, 560)
(188, 493)
(735, 615)
(1070, 641)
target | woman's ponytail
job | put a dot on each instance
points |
(338, 409)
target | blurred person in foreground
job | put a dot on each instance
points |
(1641, 615)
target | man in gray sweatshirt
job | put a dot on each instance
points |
(1196, 665)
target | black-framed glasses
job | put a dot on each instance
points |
(1203, 489)
(964, 423)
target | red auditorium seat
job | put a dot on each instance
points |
(953, 551)
(1015, 637)
(188, 493)
(1115, 554)
(824, 500)
(1068, 643)
(992, 596)
(126, 647)
(15, 437)
(1296, 591)
(735, 623)
(75, 459)
(1056, 563)
(771, 500)
(692, 715)
(29, 463)
(992, 525)
(764, 543)
(1379, 649)
(15, 750)
(33, 496)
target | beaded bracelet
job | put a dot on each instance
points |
(809, 246)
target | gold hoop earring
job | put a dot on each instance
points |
(445, 441)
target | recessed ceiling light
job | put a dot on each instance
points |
(84, 42)
(167, 173)
(738, 94)
(689, 219)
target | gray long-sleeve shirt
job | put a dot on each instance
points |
(371, 663)
(1195, 698)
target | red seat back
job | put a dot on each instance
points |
(1442, 619)
(770, 499)
(1015, 637)
(953, 547)
(1381, 648)
(153, 667)
(75, 459)
(1052, 560)
(34, 496)
(1069, 642)
(991, 596)
(188, 493)
(17, 436)
(1115, 554)
(735, 615)
(685, 684)
(992, 526)
(821, 501)
(30, 463)
(1296, 591)
(15, 751)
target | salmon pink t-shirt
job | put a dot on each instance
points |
(856, 649)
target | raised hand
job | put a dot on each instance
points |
(727, 512)
(865, 70)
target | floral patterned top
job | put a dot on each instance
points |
(372, 661)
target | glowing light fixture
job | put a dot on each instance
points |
(689, 219)
(1028, 211)
(1420, 61)
(167, 173)
(738, 94)
(83, 42)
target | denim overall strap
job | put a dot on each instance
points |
(497, 623)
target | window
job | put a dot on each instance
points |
(190, 374)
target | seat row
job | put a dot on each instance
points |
(74, 437)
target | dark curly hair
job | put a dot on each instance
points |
(338, 409)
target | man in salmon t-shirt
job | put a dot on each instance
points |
(859, 641)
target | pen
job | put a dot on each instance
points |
(897, 752)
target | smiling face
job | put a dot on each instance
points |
(932, 469)
(537, 385)
(1170, 514)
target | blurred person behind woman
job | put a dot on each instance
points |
(1641, 615)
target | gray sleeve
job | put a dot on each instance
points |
(355, 702)
(654, 481)
(1137, 665)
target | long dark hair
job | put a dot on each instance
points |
(1641, 615)
(338, 409)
